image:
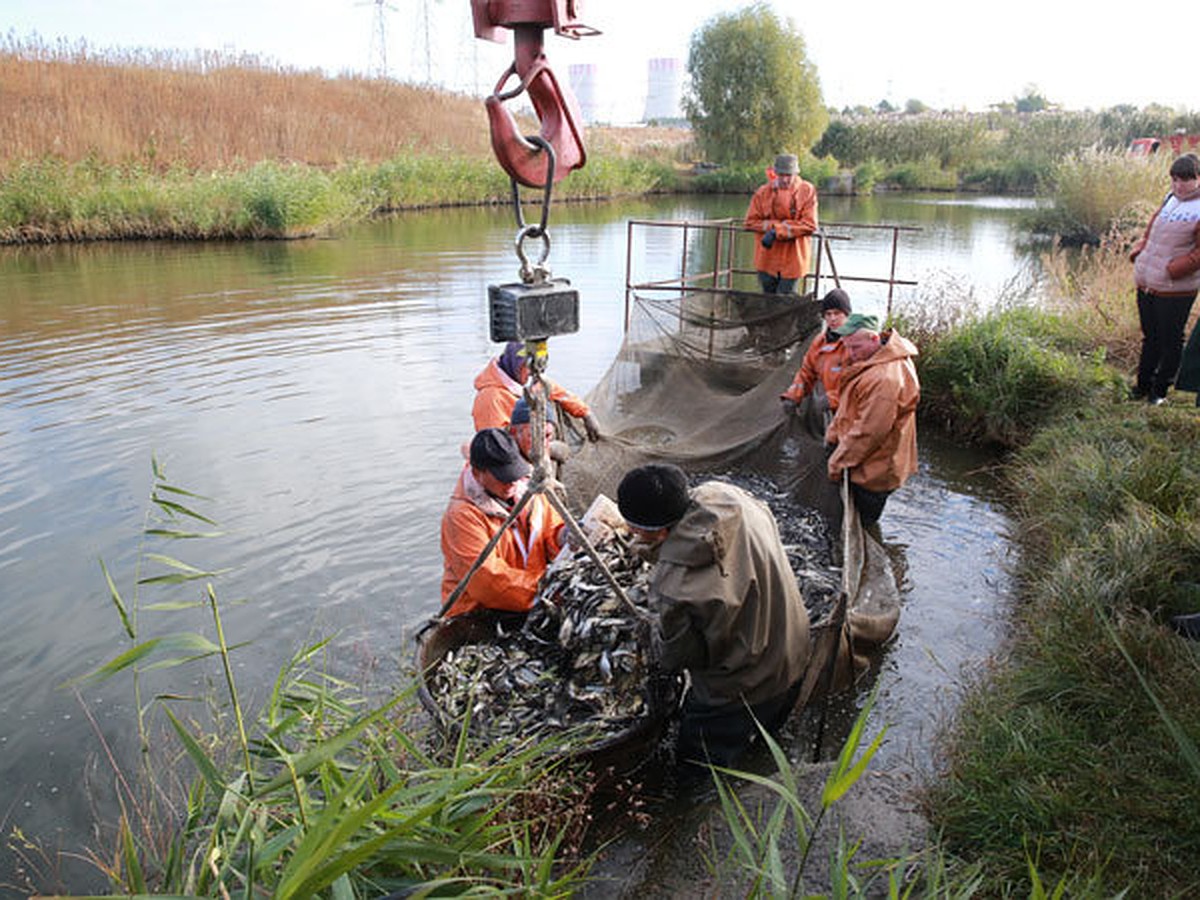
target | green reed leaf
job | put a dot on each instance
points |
(204, 764)
(133, 867)
(180, 491)
(184, 572)
(176, 534)
(173, 508)
(184, 642)
(118, 602)
(844, 773)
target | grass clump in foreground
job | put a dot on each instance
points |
(1078, 749)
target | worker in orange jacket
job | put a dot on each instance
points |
(491, 484)
(501, 384)
(875, 429)
(825, 357)
(784, 212)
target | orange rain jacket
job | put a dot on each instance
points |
(509, 577)
(824, 360)
(876, 423)
(792, 212)
(497, 394)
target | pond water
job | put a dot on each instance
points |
(318, 392)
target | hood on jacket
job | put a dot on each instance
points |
(893, 347)
(493, 376)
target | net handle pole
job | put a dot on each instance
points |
(840, 623)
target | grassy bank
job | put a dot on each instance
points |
(1077, 749)
(145, 144)
(52, 201)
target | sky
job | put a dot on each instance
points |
(947, 54)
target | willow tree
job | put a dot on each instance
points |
(753, 91)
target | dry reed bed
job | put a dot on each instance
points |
(208, 113)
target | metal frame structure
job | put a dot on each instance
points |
(725, 234)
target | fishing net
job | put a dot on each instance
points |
(697, 382)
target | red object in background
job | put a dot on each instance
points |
(1179, 144)
(554, 104)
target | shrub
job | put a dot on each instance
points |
(999, 378)
(867, 175)
(922, 174)
(1097, 191)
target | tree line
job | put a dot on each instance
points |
(754, 92)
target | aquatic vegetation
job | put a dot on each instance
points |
(321, 793)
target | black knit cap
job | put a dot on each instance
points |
(653, 496)
(836, 299)
(495, 450)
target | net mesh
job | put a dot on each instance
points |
(697, 382)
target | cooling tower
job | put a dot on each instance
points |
(582, 77)
(662, 96)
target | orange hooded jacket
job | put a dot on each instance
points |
(497, 394)
(876, 423)
(508, 579)
(792, 212)
(824, 361)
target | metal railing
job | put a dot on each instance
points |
(726, 233)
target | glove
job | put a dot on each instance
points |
(558, 451)
(592, 427)
(768, 238)
(789, 406)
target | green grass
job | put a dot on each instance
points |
(998, 378)
(50, 201)
(1078, 748)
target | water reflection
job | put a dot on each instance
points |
(319, 392)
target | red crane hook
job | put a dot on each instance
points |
(554, 104)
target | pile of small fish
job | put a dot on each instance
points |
(583, 658)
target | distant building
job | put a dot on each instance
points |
(582, 78)
(664, 88)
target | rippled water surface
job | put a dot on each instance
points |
(318, 393)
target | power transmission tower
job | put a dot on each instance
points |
(377, 64)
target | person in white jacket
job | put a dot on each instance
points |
(1166, 272)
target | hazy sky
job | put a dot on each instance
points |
(942, 52)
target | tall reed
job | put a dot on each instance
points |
(211, 111)
(1097, 192)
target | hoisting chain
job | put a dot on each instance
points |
(538, 273)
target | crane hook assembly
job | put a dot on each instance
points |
(553, 103)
